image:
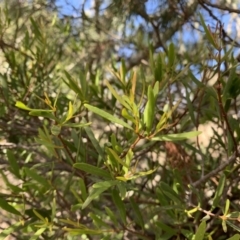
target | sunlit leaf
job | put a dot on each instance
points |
(22, 106)
(117, 96)
(108, 116)
(219, 191)
(201, 231)
(176, 137)
(95, 171)
(149, 111)
(7, 207)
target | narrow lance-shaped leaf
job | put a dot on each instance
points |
(134, 82)
(137, 212)
(219, 191)
(13, 163)
(200, 231)
(158, 71)
(234, 237)
(7, 231)
(176, 137)
(35, 176)
(77, 125)
(108, 116)
(72, 84)
(70, 111)
(117, 96)
(123, 72)
(7, 207)
(233, 225)
(95, 171)
(119, 204)
(208, 33)
(94, 141)
(224, 226)
(96, 190)
(226, 207)
(116, 157)
(171, 55)
(127, 116)
(149, 111)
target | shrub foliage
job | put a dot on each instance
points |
(108, 149)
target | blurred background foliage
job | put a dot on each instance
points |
(104, 90)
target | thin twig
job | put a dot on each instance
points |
(217, 170)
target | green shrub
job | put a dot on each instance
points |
(116, 153)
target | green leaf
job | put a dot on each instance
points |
(82, 231)
(115, 145)
(38, 233)
(76, 125)
(39, 216)
(195, 80)
(70, 111)
(224, 226)
(117, 96)
(13, 163)
(122, 189)
(108, 116)
(233, 225)
(43, 113)
(56, 130)
(158, 70)
(149, 111)
(54, 206)
(84, 83)
(162, 122)
(119, 204)
(219, 191)
(235, 237)
(226, 207)
(208, 33)
(127, 177)
(112, 216)
(98, 221)
(94, 141)
(15, 189)
(7, 231)
(176, 137)
(95, 171)
(127, 116)
(200, 231)
(137, 212)
(123, 71)
(7, 207)
(105, 184)
(36, 30)
(38, 178)
(94, 193)
(116, 157)
(22, 106)
(171, 55)
(169, 192)
(156, 89)
(233, 215)
(229, 84)
(166, 228)
(72, 84)
(83, 189)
